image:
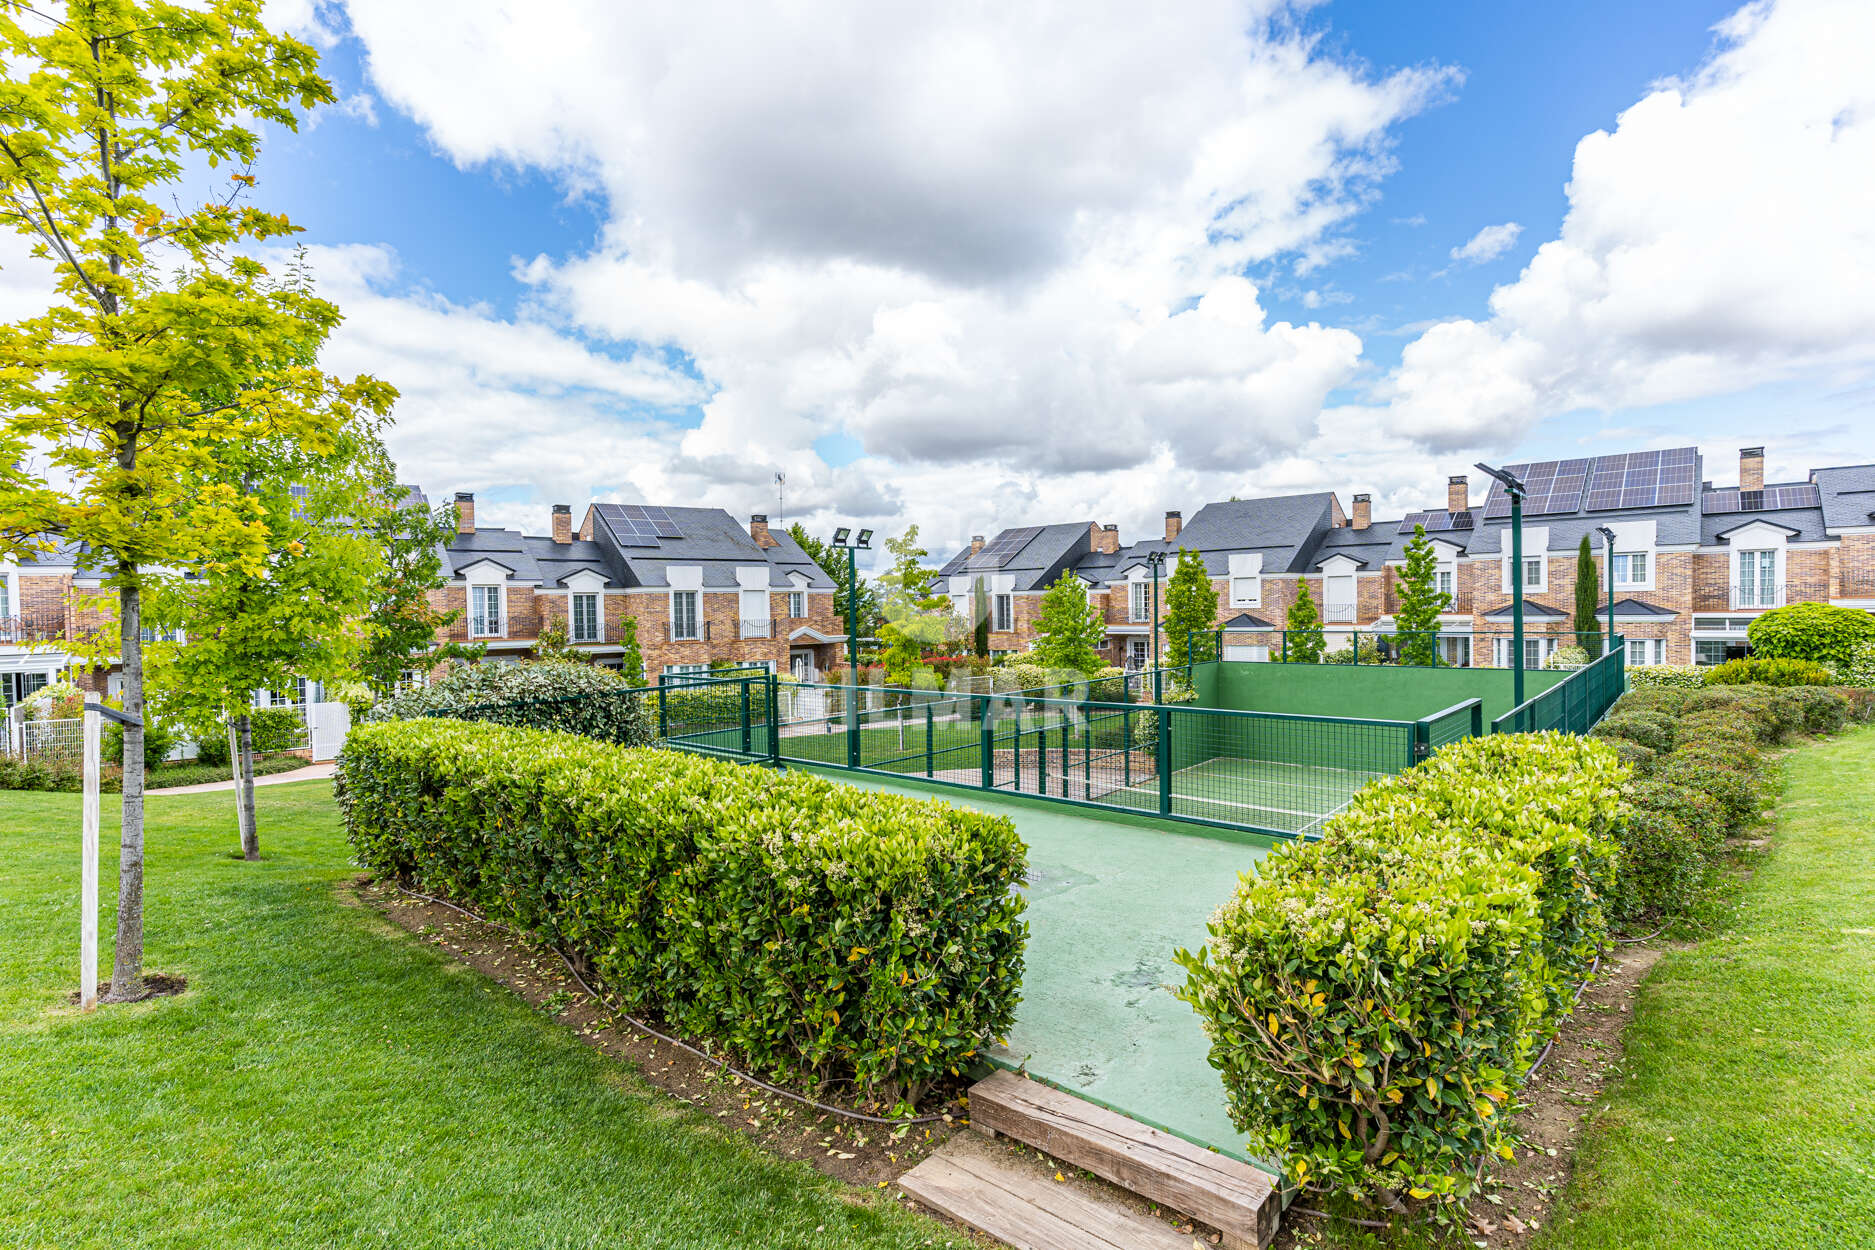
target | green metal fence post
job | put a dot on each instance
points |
(928, 733)
(1165, 760)
(1126, 746)
(1477, 718)
(1041, 759)
(986, 740)
(664, 716)
(748, 743)
(1064, 755)
(1422, 742)
(774, 719)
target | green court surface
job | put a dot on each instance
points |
(1267, 794)
(1110, 899)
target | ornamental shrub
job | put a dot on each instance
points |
(1638, 758)
(1677, 676)
(1859, 669)
(816, 931)
(1773, 709)
(1702, 814)
(1732, 785)
(1653, 730)
(548, 694)
(1373, 998)
(1567, 657)
(1663, 867)
(1819, 632)
(1770, 672)
(1824, 711)
(276, 729)
(1669, 700)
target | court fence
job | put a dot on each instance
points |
(1276, 774)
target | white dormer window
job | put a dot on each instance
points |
(1535, 559)
(485, 603)
(586, 617)
(1246, 580)
(1632, 565)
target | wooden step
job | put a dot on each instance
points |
(1236, 1199)
(1027, 1208)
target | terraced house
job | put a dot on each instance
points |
(697, 586)
(1693, 561)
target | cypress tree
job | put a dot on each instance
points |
(1588, 628)
(1306, 643)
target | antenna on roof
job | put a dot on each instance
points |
(781, 513)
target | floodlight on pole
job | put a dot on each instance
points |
(1155, 560)
(1514, 487)
(1608, 558)
(863, 543)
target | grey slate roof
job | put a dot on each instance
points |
(1371, 547)
(1245, 620)
(1806, 524)
(710, 539)
(1634, 607)
(1286, 529)
(1532, 611)
(1038, 562)
(1848, 495)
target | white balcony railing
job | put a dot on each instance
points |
(1758, 595)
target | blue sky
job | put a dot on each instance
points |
(776, 298)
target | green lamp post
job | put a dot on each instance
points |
(1515, 489)
(852, 548)
(1155, 560)
(1608, 561)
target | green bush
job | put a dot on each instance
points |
(276, 729)
(1653, 730)
(1824, 711)
(1670, 700)
(1664, 867)
(211, 750)
(1567, 657)
(1819, 632)
(1669, 676)
(1860, 701)
(1373, 998)
(1770, 672)
(1638, 758)
(1774, 709)
(1859, 669)
(554, 694)
(1734, 786)
(158, 741)
(1697, 810)
(816, 931)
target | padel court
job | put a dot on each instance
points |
(1110, 899)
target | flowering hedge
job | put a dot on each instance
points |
(817, 931)
(1372, 998)
(539, 694)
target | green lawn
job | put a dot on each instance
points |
(327, 1080)
(1748, 1116)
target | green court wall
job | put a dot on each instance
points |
(1368, 691)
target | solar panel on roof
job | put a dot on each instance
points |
(1498, 502)
(1644, 479)
(1731, 499)
(631, 527)
(1004, 548)
(1436, 522)
(661, 523)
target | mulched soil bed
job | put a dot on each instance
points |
(155, 985)
(870, 1155)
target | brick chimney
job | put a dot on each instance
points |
(1363, 511)
(465, 512)
(1109, 543)
(1457, 494)
(976, 543)
(1174, 522)
(1751, 468)
(562, 523)
(758, 530)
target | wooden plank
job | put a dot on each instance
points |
(1230, 1195)
(1029, 1211)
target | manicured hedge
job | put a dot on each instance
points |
(1770, 672)
(1820, 632)
(544, 694)
(819, 932)
(1373, 998)
(1681, 676)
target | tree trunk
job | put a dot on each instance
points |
(127, 967)
(244, 786)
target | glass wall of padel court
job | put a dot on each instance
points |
(1263, 748)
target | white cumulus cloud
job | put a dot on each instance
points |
(1718, 238)
(1488, 244)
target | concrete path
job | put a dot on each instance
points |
(312, 772)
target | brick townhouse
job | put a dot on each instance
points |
(1694, 562)
(698, 586)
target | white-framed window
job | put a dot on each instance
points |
(1456, 651)
(586, 617)
(1533, 567)
(1643, 651)
(1445, 584)
(1757, 579)
(485, 612)
(1139, 601)
(684, 670)
(1631, 568)
(797, 603)
(1535, 651)
(1246, 592)
(684, 614)
(1003, 613)
(1535, 559)
(6, 599)
(155, 635)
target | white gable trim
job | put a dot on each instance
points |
(483, 572)
(684, 576)
(1339, 566)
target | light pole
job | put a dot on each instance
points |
(1515, 489)
(852, 548)
(1608, 560)
(1155, 560)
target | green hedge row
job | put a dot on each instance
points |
(1701, 776)
(1372, 998)
(38, 774)
(816, 931)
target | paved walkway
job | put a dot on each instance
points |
(312, 772)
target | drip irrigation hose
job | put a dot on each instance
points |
(1644, 938)
(642, 1027)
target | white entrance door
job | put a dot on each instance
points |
(1136, 650)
